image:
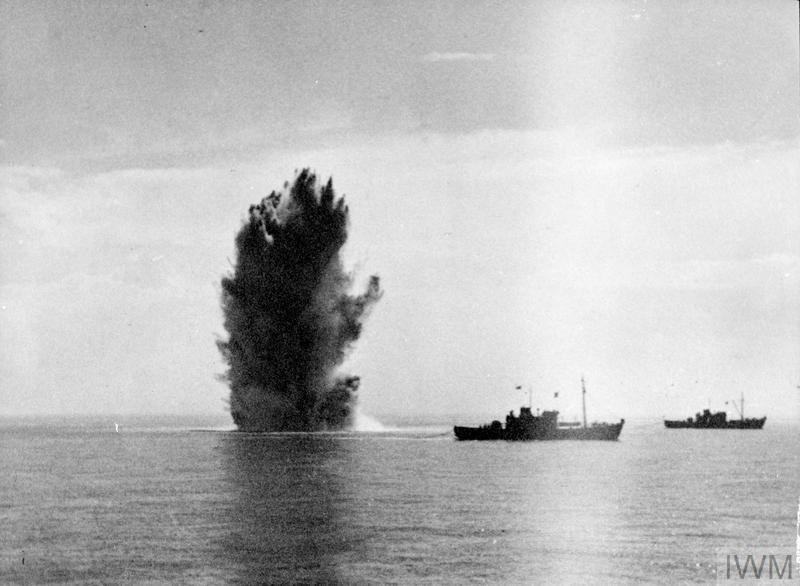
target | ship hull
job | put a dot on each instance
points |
(598, 432)
(477, 433)
(734, 424)
(603, 432)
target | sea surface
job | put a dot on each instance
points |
(178, 500)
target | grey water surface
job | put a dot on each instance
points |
(167, 500)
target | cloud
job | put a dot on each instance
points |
(114, 223)
(458, 56)
(533, 250)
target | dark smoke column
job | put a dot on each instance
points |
(289, 315)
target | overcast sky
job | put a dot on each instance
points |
(547, 189)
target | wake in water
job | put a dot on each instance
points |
(289, 314)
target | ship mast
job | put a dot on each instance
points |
(583, 386)
(740, 407)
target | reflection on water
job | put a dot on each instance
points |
(403, 507)
(284, 522)
(344, 508)
(88, 505)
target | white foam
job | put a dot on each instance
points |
(364, 422)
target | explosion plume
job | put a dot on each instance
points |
(289, 314)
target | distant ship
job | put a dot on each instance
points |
(718, 420)
(541, 427)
